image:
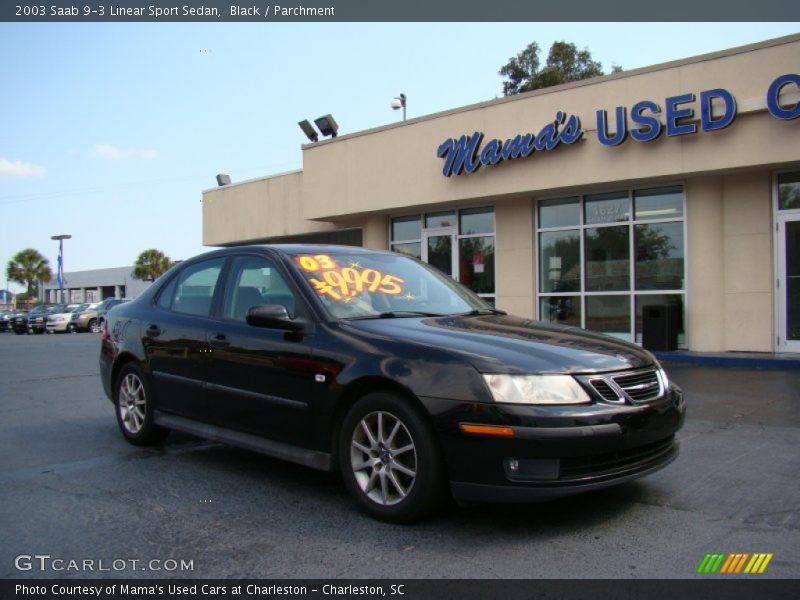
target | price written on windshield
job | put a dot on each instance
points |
(342, 283)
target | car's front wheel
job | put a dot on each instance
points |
(390, 459)
(134, 405)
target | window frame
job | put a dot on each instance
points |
(632, 293)
(215, 298)
(422, 214)
(230, 282)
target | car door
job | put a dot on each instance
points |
(175, 338)
(260, 379)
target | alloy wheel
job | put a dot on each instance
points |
(132, 403)
(383, 458)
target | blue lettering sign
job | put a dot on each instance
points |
(466, 155)
(650, 126)
(602, 127)
(674, 114)
(707, 120)
(460, 154)
(773, 93)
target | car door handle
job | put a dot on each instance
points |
(218, 340)
(153, 330)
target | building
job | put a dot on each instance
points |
(94, 286)
(672, 185)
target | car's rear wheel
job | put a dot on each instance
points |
(390, 459)
(93, 326)
(134, 405)
(71, 328)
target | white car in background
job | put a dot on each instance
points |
(59, 322)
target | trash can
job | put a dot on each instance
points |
(660, 327)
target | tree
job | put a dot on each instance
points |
(28, 267)
(151, 264)
(565, 63)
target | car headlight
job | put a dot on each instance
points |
(536, 389)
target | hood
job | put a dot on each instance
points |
(507, 344)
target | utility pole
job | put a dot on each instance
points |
(60, 277)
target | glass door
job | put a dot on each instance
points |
(439, 250)
(788, 283)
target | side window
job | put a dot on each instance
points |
(255, 280)
(194, 288)
(165, 296)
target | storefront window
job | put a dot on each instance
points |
(440, 219)
(608, 259)
(560, 261)
(564, 310)
(659, 256)
(407, 236)
(607, 208)
(788, 191)
(560, 212)
(468, 246)
(406, 228)
(476, 220)
(476, 263)
(609, 314)
(658, 203)
(630, 245)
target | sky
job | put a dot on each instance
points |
(110, 132)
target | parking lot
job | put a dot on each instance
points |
(71, 488)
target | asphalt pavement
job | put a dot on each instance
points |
(72, 489)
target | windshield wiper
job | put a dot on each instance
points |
(392, 314)
(482, 311)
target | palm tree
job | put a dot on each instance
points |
(27, 268)
(151, 264)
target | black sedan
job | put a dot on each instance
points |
(381, 367)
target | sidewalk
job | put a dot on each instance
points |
(750, 360)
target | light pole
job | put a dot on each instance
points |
(60, 277)
(400, 102)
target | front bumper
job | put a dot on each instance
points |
(56, 326)
(557, 450)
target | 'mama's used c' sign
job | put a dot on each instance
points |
(467, 155)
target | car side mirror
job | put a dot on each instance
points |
(274, 316)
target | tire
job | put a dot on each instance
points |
(134, 408)
(71, 328)
(19, 332)
(93, 326)
(397, 475)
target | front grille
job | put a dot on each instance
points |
(601, 464)
(640, 386)
(605, 390)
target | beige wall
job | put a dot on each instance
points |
(514, 268)
(747, 222)
(730, 270)
(255, 210)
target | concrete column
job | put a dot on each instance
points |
(749, 269)
(376, 232)
(514, 256)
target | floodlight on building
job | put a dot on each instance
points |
(223, 179)
(327, 125)
(399, 102)
(309, 130)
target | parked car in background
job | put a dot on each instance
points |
(107, 305)
(5, 319)
(381, 367)
(18, 323)
(58, 322)
(37, 323)
(87, 318)
(22, 322)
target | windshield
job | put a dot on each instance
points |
(356, 286)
